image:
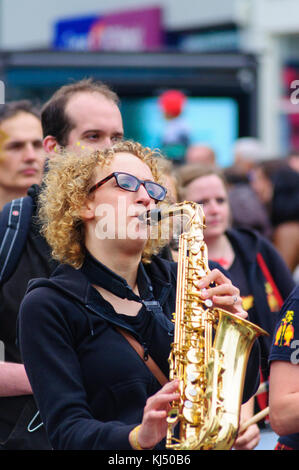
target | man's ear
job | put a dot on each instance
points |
(50, 145)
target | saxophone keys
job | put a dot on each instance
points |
(194, 373)
(196, 282)
(190, 412)
(193, 394)
(192, 377)
(194, 356)
(188, 404)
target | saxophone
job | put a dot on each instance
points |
(210, 351)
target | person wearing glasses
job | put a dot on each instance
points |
(93, 390)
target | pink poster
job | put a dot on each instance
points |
(135, 30)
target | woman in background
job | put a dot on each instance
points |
(277, 187)
(253, 264)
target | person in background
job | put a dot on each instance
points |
(83, 114)
(252, 262)
(21, 151)
(200, 153)
(277, 187)
(247, 151)
(175, 133)
(261, 179)
(109, 282)
(293, 160)
(284, 375)
(246, 209)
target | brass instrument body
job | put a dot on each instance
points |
(209, 354)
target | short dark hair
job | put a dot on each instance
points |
(54, 120)
(12, 108)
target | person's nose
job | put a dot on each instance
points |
(213, 206)
(142, 196)
(106, 142)
(30, 153)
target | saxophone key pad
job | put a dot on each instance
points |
(191, 377)
(194, 356)
(193, 393)
(188, 404)
(190, 412)
(193, 372)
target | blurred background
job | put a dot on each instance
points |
(235, 63)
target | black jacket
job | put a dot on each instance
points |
(90, 385)
(247, 244)
(35, 262)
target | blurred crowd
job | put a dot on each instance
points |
(263, 191)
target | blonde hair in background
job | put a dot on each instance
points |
(65, 189)
(169, 179)
(192, 171)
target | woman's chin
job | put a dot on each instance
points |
(213, 233)
(133, 246)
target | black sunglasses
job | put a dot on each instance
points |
(131, 183)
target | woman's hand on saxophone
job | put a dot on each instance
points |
(153, 427)
(223, 293)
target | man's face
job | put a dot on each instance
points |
(21, 152)
(97, 121)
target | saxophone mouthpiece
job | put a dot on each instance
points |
(151, 217)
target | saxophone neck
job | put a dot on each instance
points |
(191, 212)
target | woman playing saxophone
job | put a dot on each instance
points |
(92, 389)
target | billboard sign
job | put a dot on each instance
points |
(134, 30)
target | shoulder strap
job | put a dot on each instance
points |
(154, 368)
(269, 278)
(15, 221)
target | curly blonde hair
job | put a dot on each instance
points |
(65, 189)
